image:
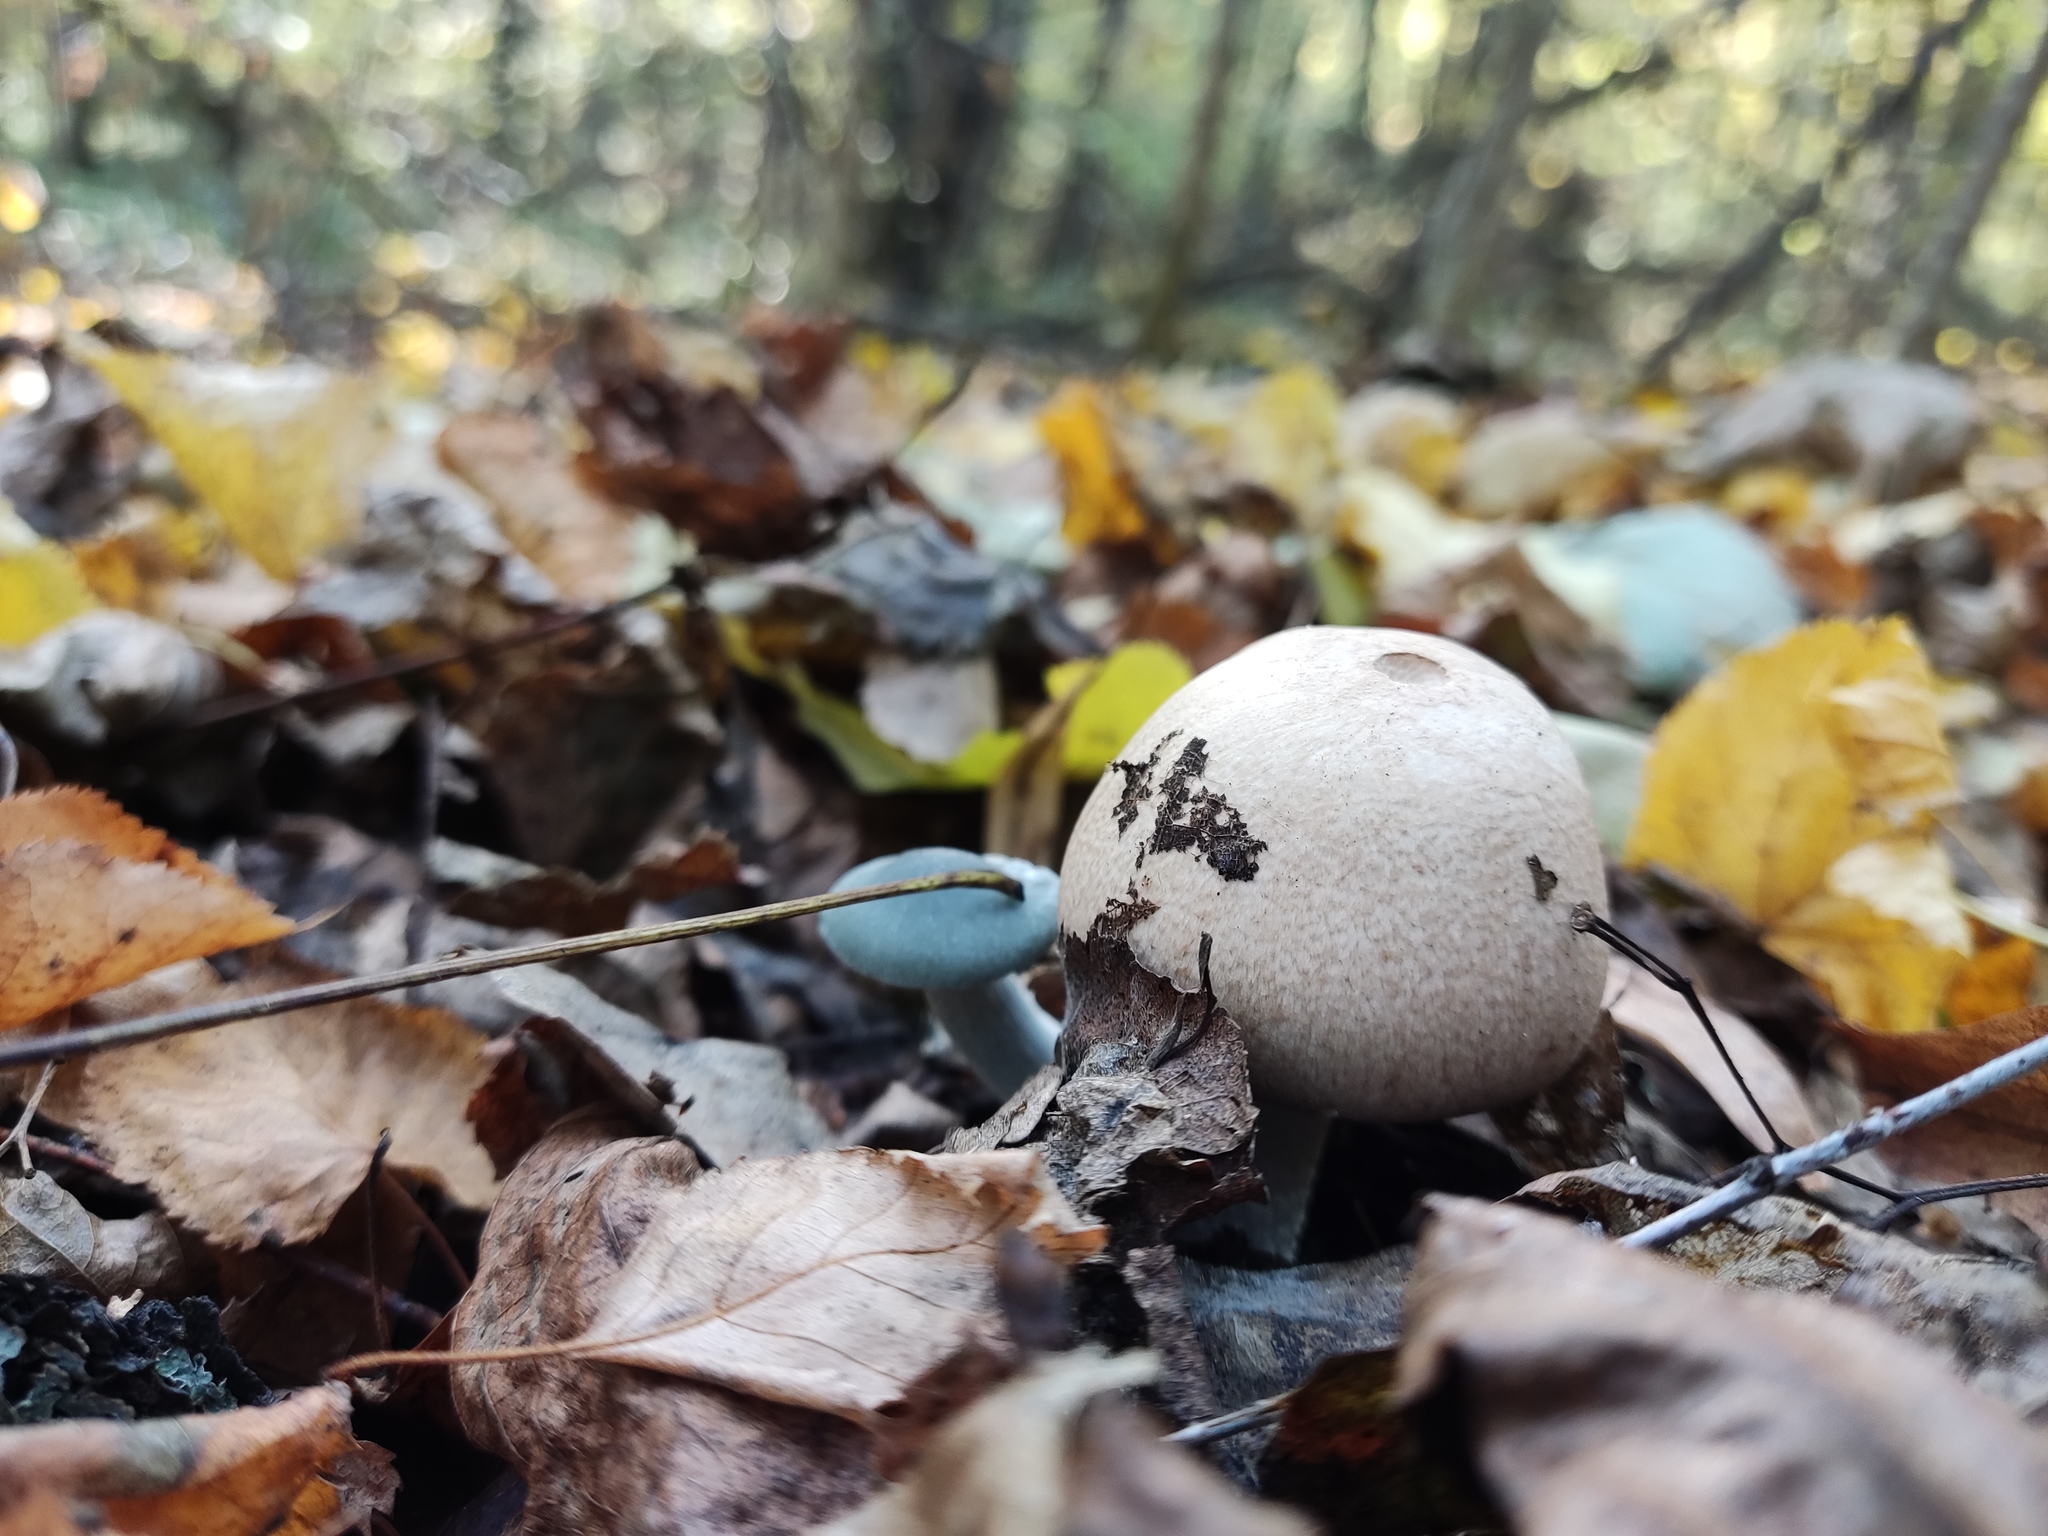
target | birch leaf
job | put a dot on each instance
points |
(844, 1281)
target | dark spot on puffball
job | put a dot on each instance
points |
(1546, 880)
(1199, 820)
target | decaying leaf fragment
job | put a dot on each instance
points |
(290, 1469)
(855, 1282)
(91, 898)
(1142, 1145)
(1796, 784)
(1608, 1390)
(263, 1129)
(1050, 1454)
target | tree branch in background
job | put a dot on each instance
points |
(1933, 273)
(1197, 182)
(1260, 193)
(1739, 276)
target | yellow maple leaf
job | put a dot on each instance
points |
(1101, 507)
(1796, 783)
(41, 585)
(278, 452)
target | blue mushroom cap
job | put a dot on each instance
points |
(957, 938)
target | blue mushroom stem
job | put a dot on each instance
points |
(999, 1028)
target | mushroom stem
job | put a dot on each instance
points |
(999, 1028)
(1286, 1149)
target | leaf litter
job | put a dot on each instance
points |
(714, 1233)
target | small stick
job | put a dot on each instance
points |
(425, 1318)
(1907, 1204)
(18, 1137)
(222, 710)
(1235, 1422)
(378, 1319)
(107, 1037)
(77, 1157)
(1762, 1176)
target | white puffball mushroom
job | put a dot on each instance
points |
(1385, 835)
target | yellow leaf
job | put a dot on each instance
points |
(1796, 784)
(1101, 507)
(1285, 439)
(1118, 695)
(1788, 757)
(41, 585)
(1882, 935)
(278, 452)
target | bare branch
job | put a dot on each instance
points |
(85, 1042)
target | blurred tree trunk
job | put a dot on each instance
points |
(1355, 124)
(1933, 272)
(1455, 250)
(1260, 196)
(945, 102)
(1197, 182)
(1077, 215)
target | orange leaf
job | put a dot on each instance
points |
(91, 898)
(1101, 507)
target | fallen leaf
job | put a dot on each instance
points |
(2000, 1135)
(1345, 1452)
(618, 1452)
(581, 542)
(45, 1231)
(1143, 1147)
(1990, 1315)
(261, 1130)
(1606, 1390)
(1535, 461)
(1997, 979)
(1111, 699)
(90, 898)
(41, 585)
(1050, 1453)
(1795, 784)
(1285, 438)
(697, 455)
(1643, 1006)
(290, 1469)
(854, 1282)
(278, 452)
(732, 1099)
(1101, 502)
(1264, 1330)
(510, 893)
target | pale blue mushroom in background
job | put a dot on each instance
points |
(963, 948)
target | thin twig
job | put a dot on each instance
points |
(106, 1037)
(1762, 1176)
(1235, 1422)
(1907, 1204)
(242, 707)
(1586, 920)
(77, 1157)
(424, 1318)
(380, 1322)
(18, 1137)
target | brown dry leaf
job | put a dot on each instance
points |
(261, 1130)
(511, 894)
(290, 1469)
(698, 456)
(1607, 1390)
(2000, 1135)
(91, 898)
(1643, 1006)
(610, 1452)
(581, 542)
(1050, 1454)
(854, 1282)
(45, 1231)
(1990, 1315)
(1144, 1148)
